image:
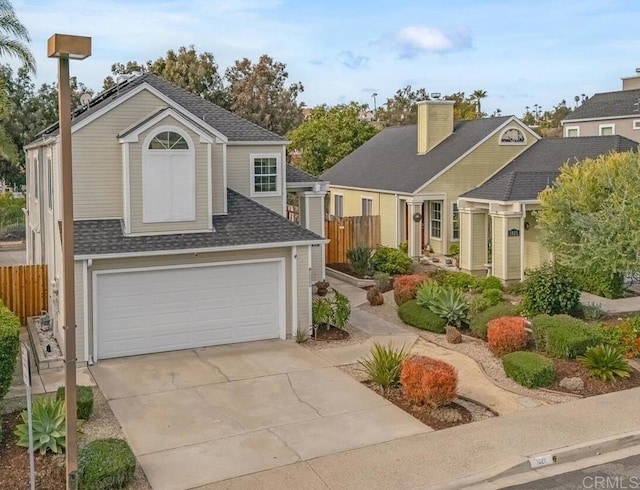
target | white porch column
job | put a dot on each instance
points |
(312, 217)
(473, 239)
(415, 227)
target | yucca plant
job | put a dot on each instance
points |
(605, 363)
(360, 260)
(384, 365)
(48, 426)
(450, 304)
(427, 292)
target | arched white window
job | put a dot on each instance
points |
(513, 136)
(168, 176)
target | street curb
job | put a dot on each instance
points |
(563, 455)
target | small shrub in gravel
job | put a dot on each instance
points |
(415, 315)
(478, 322)
(406, 287)
(506, 334)
(428, 381)
(84, 401)
(529, 369)
(491, 282)
(105, 464)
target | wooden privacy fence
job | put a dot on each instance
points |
(350, 232)
(23, 289)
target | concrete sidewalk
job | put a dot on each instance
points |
(457, 457)
(612, 306)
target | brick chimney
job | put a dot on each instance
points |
(435, 123)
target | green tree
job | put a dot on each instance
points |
(591, 216)
(259, 92)
(464, 108)
(402, 108)
(197, 73)
(330, 134)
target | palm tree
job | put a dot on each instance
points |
(477, 96)
(14, 37)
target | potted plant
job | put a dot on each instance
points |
(322, 287)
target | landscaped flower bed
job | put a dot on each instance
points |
(476, 306)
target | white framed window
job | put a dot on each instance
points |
(265, 174)
(607, 129)
(513, 136)
(435, 212)
(168, 177)
(636, 124)
(367, 206)
(338, 205)
(49, 183)
(455, 222)
(36, 174)
(572, 131)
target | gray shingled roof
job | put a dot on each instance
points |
(247, 223)
(295, 175)
(389, 160)
(608, 104)
(538, 167)
(232, 126)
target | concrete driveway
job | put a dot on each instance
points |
(200, 416)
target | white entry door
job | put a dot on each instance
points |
(145, 311)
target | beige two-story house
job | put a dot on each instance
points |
(181, 238)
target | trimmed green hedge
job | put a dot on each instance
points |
(563, 336)
(529, 369)
(9, 347)
(84, 401)
(415, 315)
(105, 464)
(478, 323)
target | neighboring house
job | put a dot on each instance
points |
(412, 176)
(608, 113)
(500, 214)
(181, 239)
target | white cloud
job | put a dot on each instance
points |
(414, 40)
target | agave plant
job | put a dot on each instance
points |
(605, 363)
(385, 364)
(48, 426)
(450, 304)
(427, 292)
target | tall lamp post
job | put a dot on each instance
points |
(65, 48)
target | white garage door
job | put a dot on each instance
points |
(169, 309)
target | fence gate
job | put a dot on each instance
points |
(23, 289)
(350, 232)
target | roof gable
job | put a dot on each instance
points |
(217, 120)
(389, 161)
(538, 167)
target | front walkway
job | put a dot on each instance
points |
(613, 306)
(473, 383)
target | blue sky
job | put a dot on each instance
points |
(521, 52)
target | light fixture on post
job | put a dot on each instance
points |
(65, 48)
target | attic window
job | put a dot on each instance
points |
(513, 136)
(168, 140)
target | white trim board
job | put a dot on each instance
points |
(134, 136)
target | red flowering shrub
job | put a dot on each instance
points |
(405, 287)
(428, 381)
(506, 334)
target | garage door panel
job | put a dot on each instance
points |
(148, 311)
